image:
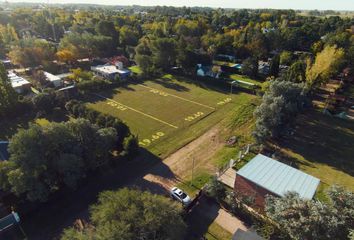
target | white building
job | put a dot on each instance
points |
(57, 81)
(111, 71)
(19, 83)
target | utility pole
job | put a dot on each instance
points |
(192, 171)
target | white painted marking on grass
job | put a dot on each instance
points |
(145, 114)
(172, 95)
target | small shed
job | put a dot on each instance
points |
(265, 176)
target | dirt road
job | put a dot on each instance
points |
(180, 163)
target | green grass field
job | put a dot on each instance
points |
(167, 112)
(323, 147)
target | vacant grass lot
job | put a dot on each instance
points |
(168, 112)
(323, 146)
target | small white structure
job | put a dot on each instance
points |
(57, 81)
(111, 71)
(19, 83)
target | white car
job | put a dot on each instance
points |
(180, 196)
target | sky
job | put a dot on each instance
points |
(276, 4)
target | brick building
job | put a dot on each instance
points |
(264, 176)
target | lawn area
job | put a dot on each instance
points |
(135, 69)
(245, 78)
(323, 147)
(168, 112)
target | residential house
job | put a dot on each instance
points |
(20, 84)
(110, 71)
(55, 80)
(209, 71)
(264, 176)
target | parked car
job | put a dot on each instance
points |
(180, 196)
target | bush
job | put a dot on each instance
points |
(131, 145)
(78, 109)
(93, 85)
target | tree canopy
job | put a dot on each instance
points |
(44, 159)
(312, 219)
(131, 214)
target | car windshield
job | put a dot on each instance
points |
(183, 195)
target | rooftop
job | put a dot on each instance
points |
(278, 177)
(50, 77)
(108, 69)
(17, 81)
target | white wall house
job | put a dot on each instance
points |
(57, 81)
(18, 83)
(110, 71)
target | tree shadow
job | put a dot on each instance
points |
(47, 220)
(200, 218)
(323, 139)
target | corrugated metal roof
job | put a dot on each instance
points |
(278, 177)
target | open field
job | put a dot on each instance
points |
(323, 147)
(168, 112)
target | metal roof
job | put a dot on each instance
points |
(278, 177)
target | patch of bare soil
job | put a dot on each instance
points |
(179, 165)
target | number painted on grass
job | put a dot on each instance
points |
(226, 100)
(159, 92)
(146, 142)
(194, 116)
(117, 106)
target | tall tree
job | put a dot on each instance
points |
(280, 105)
(311, 219)
(130, 215)
(274, 66)
(326, 64)
(8, 96)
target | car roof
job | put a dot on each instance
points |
(177, 191)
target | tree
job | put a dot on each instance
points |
(286, 58)
(31, 52)
(131, 145)
(65, 55)
(279, 107)
(163, 53)
(326, 64)
(45, 159)
(312, 219)
(131, 214)
(250, 67)
(8, 96)
(45, 101)
(216, 189)
(106, 28)
(296, 73)
(274, 66)
(143, 57)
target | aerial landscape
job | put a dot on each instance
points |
(162, 120)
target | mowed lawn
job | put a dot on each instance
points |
(168, 112)
(323, 146)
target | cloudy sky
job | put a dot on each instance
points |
(278, 4)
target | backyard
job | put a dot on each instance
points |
(323, 147)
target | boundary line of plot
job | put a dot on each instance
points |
(172, 95)
(145, 114)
